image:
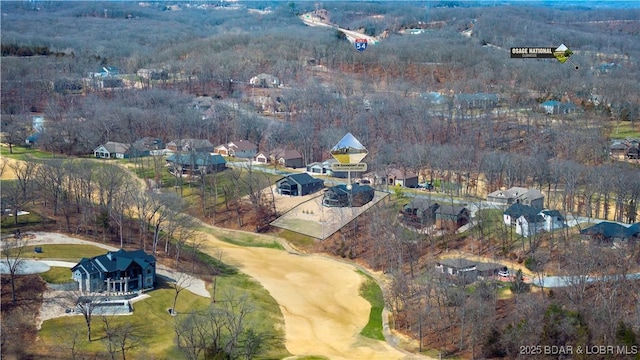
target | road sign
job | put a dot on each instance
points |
(357, 167)
(360, 44)
(349, 150)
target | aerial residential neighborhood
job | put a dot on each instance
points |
(320, 180)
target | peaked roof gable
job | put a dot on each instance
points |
(606, 229)
(302, 178)
(286, 154)
(243, 145)
(116, 260)
(516, 210)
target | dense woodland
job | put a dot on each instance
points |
(378, 95)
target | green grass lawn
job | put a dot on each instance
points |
(625, 130)
(150, 317)
(20, 152)
(373, 294)
(65, 252)
(155, 326)
(298, 240)
(57, 275)
(8, 223)
(242, 239)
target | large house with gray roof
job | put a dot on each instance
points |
(517, 195)
(119, 271)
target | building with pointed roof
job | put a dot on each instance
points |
(609, 231)
(299, 185)
(119, 271)
(520, 195)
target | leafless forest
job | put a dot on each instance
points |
(397, 98)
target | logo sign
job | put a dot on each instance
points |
(357, 167)
(349, 150)
(532, 52)
(360, 44)
(561, 53)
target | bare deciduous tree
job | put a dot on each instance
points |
(13, 253)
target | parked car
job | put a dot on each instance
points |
(426, 186)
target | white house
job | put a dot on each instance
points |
(553, 220)
(529, 221)
(261, 158)
(529, 225)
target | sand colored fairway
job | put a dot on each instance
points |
(8, 173)
(318, 297)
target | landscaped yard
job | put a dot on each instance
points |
(625, 130)
(150, 319)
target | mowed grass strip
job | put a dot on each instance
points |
(371, 292)
(57, 275)
(242, 239)
(154, 326)
(64, 252)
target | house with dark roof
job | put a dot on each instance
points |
(529, 221)
(422, 212)
(116, 271)
(452, 216)
(299, 185)
(529, 224)
(196, 163)
(553, 220)
(116, 150)
(513, 212)
(284, 157)
(341, 196)
(468, 270)
(531, 197)
(609, 231)
(111, 150)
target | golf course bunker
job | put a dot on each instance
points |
(25, 267)
(313, 219)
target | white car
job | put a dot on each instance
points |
(503, 273)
